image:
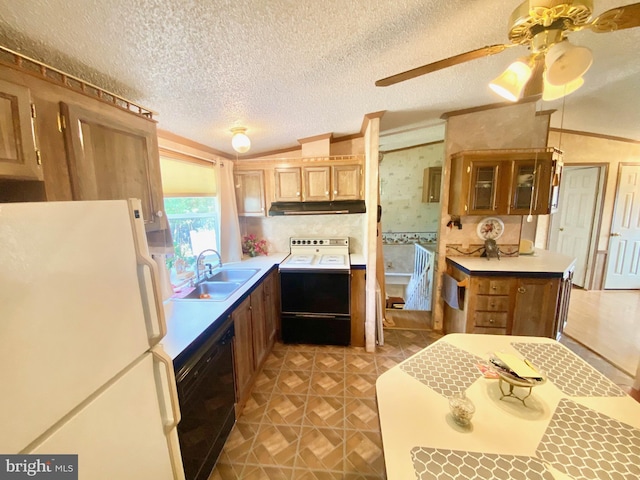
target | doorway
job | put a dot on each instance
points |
(623, 258)
(574, 228)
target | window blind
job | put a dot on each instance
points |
(185, 178)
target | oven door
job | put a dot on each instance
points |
(316, 307)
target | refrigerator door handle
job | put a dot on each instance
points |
(168, 394)
(148, 279)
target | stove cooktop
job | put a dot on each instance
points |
(317, 253)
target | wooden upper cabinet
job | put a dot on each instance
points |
(110, 160)
(347, 182)
(288, 184)
(19, 158)
(512, 182)
(317, 183)
(250, 196)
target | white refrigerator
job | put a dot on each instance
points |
(81, 320)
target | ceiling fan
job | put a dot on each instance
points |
(554, 67)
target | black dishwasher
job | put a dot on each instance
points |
(206, 392)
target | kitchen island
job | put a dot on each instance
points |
(576, 425)
(523, 295)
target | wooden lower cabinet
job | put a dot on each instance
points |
(508, 305)
(254, 336)
(243, 351)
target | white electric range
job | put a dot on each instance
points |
(317, 253)
(315, 291)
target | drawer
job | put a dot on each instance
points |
(492, 303)
(494, 286)
(490, 319)
(490, 331)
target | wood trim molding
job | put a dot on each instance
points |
(185, 157)
(413, 146)
(595, 135)
(316, 138)
(172, 137)
(367, 118)
(481, 108)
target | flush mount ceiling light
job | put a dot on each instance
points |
(542, 26)
(240, 141)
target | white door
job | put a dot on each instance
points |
(623, 259)
(72, 310)
(120, 432)
(572, 227)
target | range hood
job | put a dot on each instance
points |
(317, 208)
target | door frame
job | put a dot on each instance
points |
(590, 273)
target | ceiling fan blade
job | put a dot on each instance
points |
(439, 65)
(627, 16)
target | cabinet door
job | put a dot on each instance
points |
(288, 182)
(272, 307)
(18, 157)
(258, 325)
(347, 182)
(243, 349)
(484, 188)
(111, 160)
(358, 307)
(317, 184)
(250, 193)
(530, 185)
(535, 307)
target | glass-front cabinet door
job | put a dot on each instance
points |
(484, 188)
(530, 186)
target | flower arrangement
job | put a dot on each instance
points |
(252, 246)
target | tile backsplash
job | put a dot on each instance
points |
(277, 230)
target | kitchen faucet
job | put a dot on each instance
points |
(199, 261)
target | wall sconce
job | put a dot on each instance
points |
(512, 81)
(240, 141)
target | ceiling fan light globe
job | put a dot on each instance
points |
(553, 92)
(566, 63)
(510, 83)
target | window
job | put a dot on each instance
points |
(190, 187)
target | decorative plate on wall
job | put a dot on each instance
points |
(490, 228)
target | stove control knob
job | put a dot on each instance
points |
(315, 242)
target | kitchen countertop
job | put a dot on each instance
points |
(576, 425)
(188, 319)
(550, 264)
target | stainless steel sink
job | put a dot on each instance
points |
(240, 275)
(216, 291)
(221, 285)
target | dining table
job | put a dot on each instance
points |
(571, 423)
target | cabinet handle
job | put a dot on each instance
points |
(491, 320)
(335, 192)
(297, 193)
(160, 213)
(493, 305)
(494, 287)
(522, 290)
(326, 192)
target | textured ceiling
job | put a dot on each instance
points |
(293, 69)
